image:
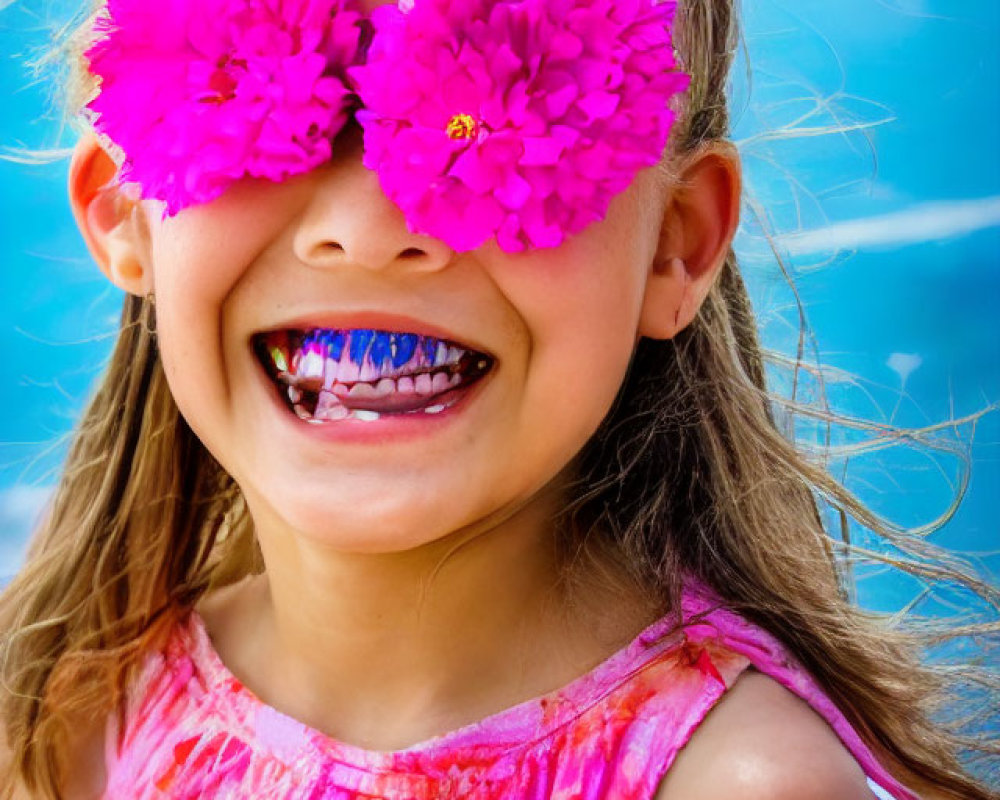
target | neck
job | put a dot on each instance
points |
(385, 650)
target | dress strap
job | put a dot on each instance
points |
(769, 656)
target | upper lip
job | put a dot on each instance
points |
(376, 320)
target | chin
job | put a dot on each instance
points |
(360, 524)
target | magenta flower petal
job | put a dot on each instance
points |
(200, 93)
(598, 105)
(540, 150)
(515, 192)
(515, 119)
(473, 171)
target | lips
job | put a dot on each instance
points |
(329, 374)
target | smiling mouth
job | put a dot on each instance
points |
(326, 375)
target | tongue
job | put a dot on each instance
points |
(394, 403)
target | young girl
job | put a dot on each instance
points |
(435, 459)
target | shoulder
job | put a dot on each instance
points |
(85, 781)
(762, 741)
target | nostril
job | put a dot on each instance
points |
(328, 252)
(409, 253)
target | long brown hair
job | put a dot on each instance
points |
(688, 473)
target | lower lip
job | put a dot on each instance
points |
(388, 428)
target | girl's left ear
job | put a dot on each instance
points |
(109, 221)
(700, 218)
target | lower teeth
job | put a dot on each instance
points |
(360, 414)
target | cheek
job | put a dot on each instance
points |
(194, 369)
(580, 360)
(200, 255)
(582, 319)
(193, 275)
(582, 301)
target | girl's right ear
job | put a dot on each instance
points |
(109, 221)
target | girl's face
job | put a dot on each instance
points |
(555, 329)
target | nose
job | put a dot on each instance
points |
(349, 221)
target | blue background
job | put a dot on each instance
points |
(868, 132)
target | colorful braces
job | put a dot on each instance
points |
(331, 374)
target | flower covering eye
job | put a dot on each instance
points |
(200, 93)
(518, 119)
(513, 119)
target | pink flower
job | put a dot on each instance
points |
(518, 119)
(201, 93)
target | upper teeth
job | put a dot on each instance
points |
(331, 357)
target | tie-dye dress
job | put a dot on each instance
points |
(194, 732)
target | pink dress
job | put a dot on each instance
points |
(194, 732)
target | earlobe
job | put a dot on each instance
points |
(668, 300)
(699, 222)
(106, 217)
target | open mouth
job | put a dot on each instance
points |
(326, 374)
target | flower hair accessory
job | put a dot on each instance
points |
(200, 93)
(517, 120)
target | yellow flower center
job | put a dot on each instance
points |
(461, 126)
